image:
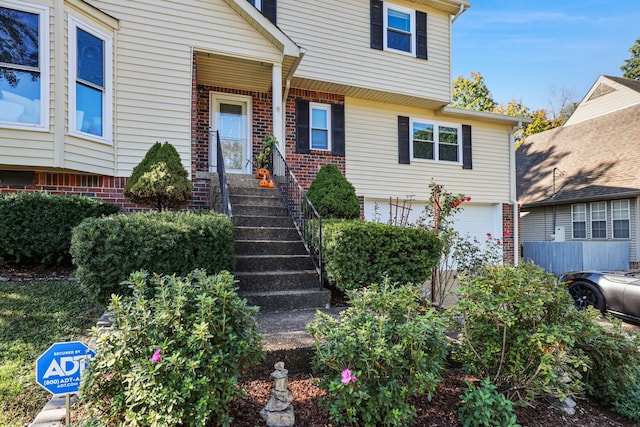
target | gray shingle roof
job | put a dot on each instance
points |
(593, 160)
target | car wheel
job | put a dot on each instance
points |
(586, 294)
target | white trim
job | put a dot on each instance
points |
(436, 140)
(215, 98)
(613, 219)
(107, 101)
(327, 108)
(385, 26)
(43, 62)
(591, 220)
(586, 234)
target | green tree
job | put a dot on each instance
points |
(631, 66)
(159, 180)
(333, 195)
(472, 93)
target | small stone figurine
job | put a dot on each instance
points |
(279, 412)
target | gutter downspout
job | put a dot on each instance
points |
(285, 95)
(513, 195)
(457, 15)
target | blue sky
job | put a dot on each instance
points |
(531, 49)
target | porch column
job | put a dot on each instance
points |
(278, 116)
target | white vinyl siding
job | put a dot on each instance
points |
(615, 97)
(154, 68)
(372, 161)
(339, 55)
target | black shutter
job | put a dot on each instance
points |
(269, 10)
(302, 126)
(376, 24)
(421, 35)
(337, 129)
(403, 140)
(466, 147)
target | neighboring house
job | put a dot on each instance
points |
(363, 84)
(579, 182)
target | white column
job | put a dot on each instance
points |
(278, 113)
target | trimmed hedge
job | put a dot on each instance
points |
(358, 253)
(107, 250)
(36, 227)
(333, 195)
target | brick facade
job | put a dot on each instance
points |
(508, 251)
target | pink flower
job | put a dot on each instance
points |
(347, 377)
(506, 233)
(489, 235)
(156, 357)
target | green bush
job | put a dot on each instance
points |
(175, 354)
(385, 348)
(107, 250)
(36, 227)
(519, 329)
(332, 195)
(484, 407)
(627, 403)
(614, 360)
(159, 180)
(357, 253)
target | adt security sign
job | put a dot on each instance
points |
(59, 368)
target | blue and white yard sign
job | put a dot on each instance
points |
(59, 368)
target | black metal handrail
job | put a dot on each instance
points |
(306, 218)
(225, 200)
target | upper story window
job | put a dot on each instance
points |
(267, 7)
(24, 61)
(579, 220)
(320, 126)
(90, 82)
(620, 213)
(398, 29)
(433, 141)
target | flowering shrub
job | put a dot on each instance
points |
(459, 255)
(385, 348)
(175, 353)
(519, 329)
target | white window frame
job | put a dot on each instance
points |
(107, 100)
(582, 220)
(327, 108)
(258, 4)
(43, 61)
(592, 220)
(615, 212)
(436, 141)
(412, 34)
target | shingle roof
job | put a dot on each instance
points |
(631, 84)
(591, 160)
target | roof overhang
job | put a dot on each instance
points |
(553, 201)
(264, 27)
(483, 116)
(454, 7)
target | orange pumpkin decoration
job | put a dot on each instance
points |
(271, 184)
(264, 183)
(263, 173)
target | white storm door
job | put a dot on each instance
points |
(231, 118)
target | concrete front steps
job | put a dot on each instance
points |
(275, 273)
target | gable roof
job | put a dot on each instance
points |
(594, 159)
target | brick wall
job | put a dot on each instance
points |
(306, 166)
(508, 233)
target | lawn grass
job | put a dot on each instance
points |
(34, 315)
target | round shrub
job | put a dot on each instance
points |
(484, 407)
(175, 353)
(159, 180)
(332, 195)
(384, 349)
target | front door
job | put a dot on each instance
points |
(231, 118)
